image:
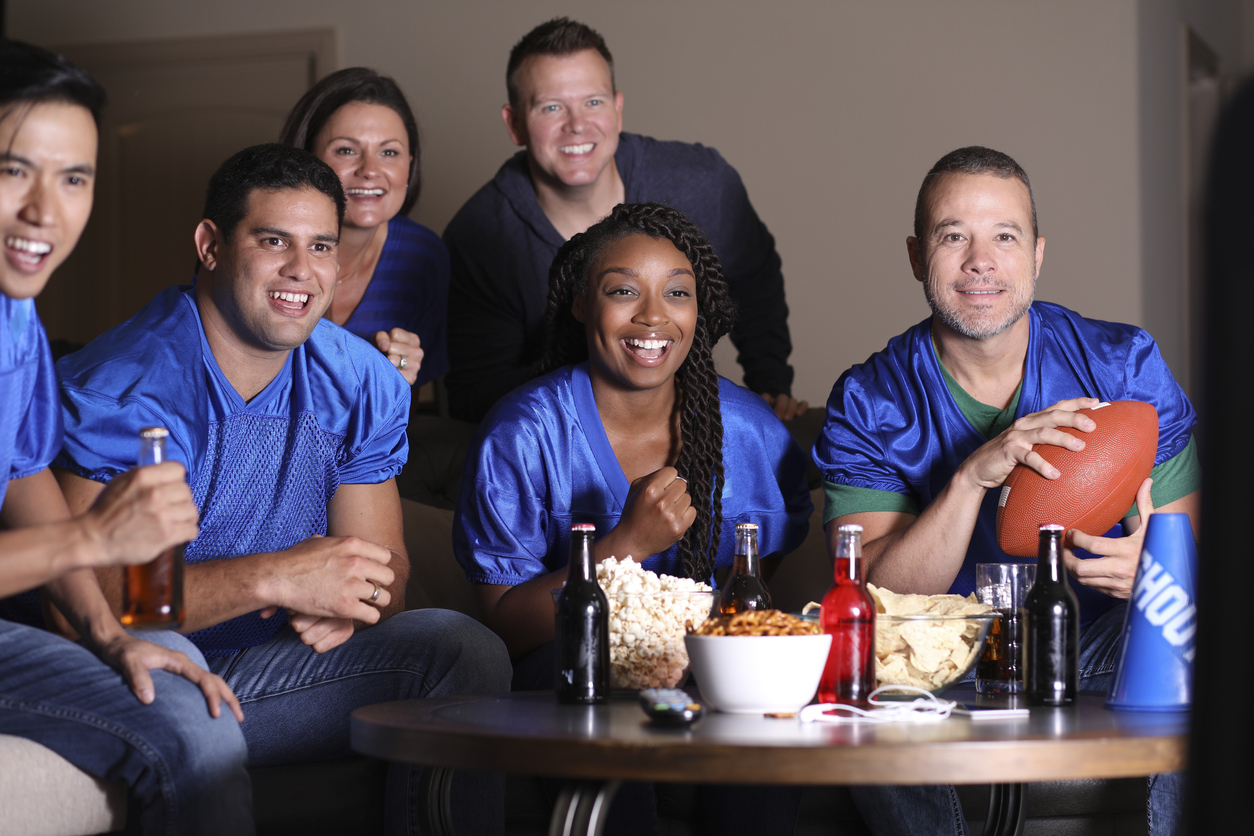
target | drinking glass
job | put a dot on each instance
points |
(1003, 586)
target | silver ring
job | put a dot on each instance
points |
(404, 361)
(377, 590)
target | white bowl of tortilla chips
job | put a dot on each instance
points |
(927, 641)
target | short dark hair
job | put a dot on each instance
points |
(559, 36)
(271, 167)
(33, 74)
(974, 159)
(355, 84)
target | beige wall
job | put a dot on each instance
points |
(832, 112)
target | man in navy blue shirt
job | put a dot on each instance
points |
(577, 165)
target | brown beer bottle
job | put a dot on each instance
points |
(152, 596)
(1051, 628)
(582, 628)
(745, 589)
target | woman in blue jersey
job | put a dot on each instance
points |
(631, 429)
(393, 280)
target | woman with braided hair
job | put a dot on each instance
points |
(629, 428)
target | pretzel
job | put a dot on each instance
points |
(758, 623)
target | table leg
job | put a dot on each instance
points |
(437, 815)
(582, 807)
(1007, 805)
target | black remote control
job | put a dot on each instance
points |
(670, 706)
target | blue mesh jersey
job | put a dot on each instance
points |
(542, 461)
(261, 472)
(409, 289)
(30, 419)
(893, 426)
(30, 422)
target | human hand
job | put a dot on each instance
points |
(1114, 570)
(140, 514)
(403, 350)
(134, 658)
(989, 466)
(657, 513)
(333, 577)
(320, 633)
(785, 406)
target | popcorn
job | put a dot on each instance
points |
(649, 614)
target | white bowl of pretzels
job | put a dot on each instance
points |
(765, 662)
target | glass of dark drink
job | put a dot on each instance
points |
(1004, 586)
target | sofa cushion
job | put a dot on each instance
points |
(43, 794)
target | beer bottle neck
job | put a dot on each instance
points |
(581, 562)
(745, 561)
(848, 558)
(1049, 565)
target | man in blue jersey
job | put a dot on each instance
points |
(577, 165)
(292, 431)
(917, 435)
(116, 707)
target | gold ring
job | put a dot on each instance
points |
(377, 590)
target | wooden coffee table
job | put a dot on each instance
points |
(598, 747)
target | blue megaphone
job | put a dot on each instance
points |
(1155, 668)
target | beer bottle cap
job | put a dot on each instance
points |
(154, 432)
(583, 528)
(746, 526)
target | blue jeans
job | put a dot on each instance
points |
(296, 702)
(185, 771)
(936, 809)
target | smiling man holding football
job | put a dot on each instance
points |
(917, 435)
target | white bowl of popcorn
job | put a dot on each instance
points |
(649, 615)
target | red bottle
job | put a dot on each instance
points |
(848, 615)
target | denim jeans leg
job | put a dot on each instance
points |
(910, 810)
(297, 702)
(185, 771)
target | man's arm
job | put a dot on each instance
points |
(142, 514)
(754, 274)
(923, 554)
(373, 512)
(331, 577)
(487, 329)
(149, 506)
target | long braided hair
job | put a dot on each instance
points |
(696, 382)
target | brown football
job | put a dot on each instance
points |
(1098, 484)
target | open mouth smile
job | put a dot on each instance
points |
(365, 192)
(289, 303)
(26, 253)
(649, 352)
(577, 149)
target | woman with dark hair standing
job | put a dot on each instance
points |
(393, 281)
(631, 428)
